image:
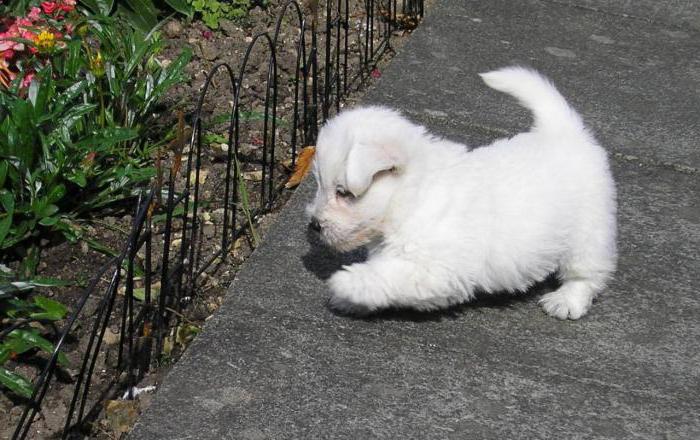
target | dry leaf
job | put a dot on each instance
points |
(303, 166)
(203, 173)
(110, 338)
(121, 415)
(255, 176)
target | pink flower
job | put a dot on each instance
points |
(69, 28)
(207, 34)
(27, 80)
(8, 44)
(25, 22)
(375, 73)
(34, 14)
(49, 7)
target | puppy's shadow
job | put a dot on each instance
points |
(323, 262)
(482, 301)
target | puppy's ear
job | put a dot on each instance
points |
(364, 162)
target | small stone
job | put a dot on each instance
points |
(559, 52)
(255, 176)
(228, 27)
(173, 29)
(208, 51)
(110, 338)
(218, 215)
(602, 39)
(209, 230)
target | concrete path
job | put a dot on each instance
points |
(274, 363)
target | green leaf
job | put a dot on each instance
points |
(33, 92)
(144, 22)
(27, 267)
(99, 247)
(74, 60)
(52, 310)
(32, 337)
(107, 138)
(140, 293)
(182, 7)
(50, 282)
(7, 200)
(48, 221)
(48, 210)
(74, 115)
(16, 286)
(5, 225)
(78, 177)
(8, 204)
(103, 7)
(56, 193)
(4, 165)
(66, 98)
(16, 383)
(5, 353)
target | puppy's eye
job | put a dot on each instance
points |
(343, 193)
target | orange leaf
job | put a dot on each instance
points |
(302, 167)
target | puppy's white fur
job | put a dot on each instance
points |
(442, 222)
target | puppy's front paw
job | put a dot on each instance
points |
(349, 294)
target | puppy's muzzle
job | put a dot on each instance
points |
(315, 225)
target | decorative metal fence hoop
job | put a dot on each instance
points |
(144, 325)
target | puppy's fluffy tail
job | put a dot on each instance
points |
(551, 111)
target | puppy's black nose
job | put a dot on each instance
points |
(315, 225)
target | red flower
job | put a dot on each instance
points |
(375, 73)
(49, 7)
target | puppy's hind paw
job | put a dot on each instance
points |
(349, 294)
(566, 303)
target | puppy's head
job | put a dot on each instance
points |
(361, 158)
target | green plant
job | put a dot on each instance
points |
(212, 11)
(142, 14)
(21, 327)
(245, 204)
(78, 137)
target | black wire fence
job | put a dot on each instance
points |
(164, 261)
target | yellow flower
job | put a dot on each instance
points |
(45, 41)
(97, 65)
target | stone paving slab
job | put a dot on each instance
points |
(275, 363)
(636, 83)
(680, 13)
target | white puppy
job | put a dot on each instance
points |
(442, 222)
